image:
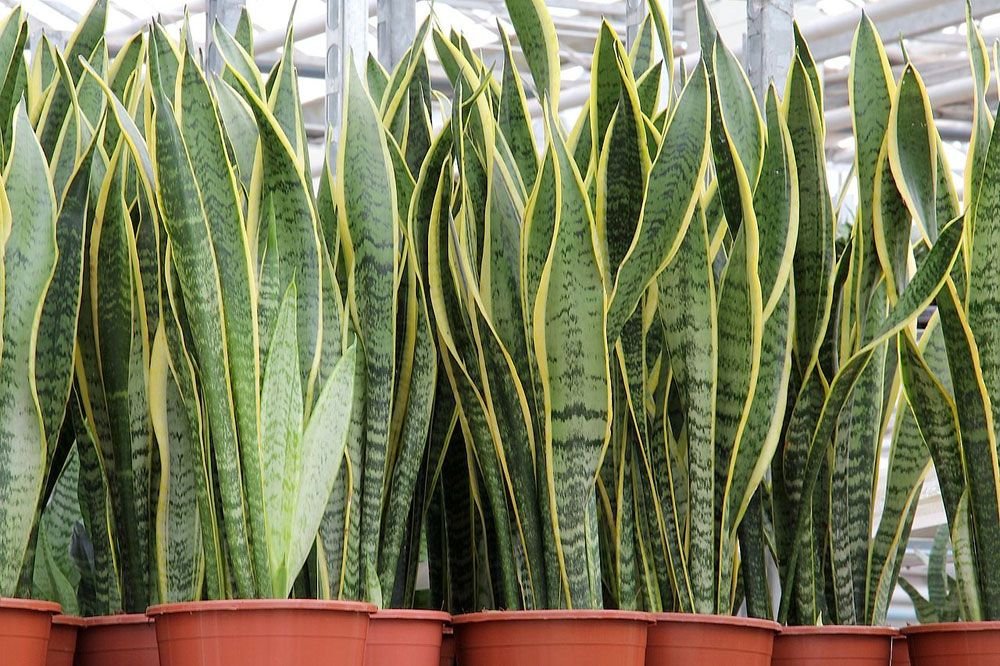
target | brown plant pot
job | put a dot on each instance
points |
(25, 626)
(954, 644)
(684, 639)
(262, 633)
(62, 640)
(900, 651)
(830, 645)
(552, 638)
(117, 640)
(448, 647)
(405, 638)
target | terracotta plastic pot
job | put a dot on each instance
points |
(262, 633)
(900, 652)
(683, 639)
(24, 631)
(832, 645)
(117, 640)
(405, 638)
(552, 638)
(62, 640)
(448, 647)
(954, 644)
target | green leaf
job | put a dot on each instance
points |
(537, 35)
(27, 219)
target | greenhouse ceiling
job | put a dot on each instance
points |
(930, 31)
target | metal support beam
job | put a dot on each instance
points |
(770, 40)
(635, 12)
(397, 27)
(226, 13)
(346, 46)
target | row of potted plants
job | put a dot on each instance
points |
(643, 364)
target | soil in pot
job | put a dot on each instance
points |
(954, 644)
(117, 640)
(262, 633)
(552, 638)
(900, 652)
(25, 626)
(62, 640)
(448, 647)
(830, 645)
(680, 639)
(405, 638)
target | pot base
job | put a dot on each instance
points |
(117, 640)
(954, 644)
(262, 633)
(405, 638)
(25, 627)
(709, 640)
(62, 640)
(826, 646)
(553, 638)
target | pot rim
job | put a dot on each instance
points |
(259, 605)
(9, 603)
(839, 630)
(551, 615)
(69, 621)
(949, 628)
(414, 614)
(727, 620)
(120, 620)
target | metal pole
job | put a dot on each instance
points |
(397, 27)
(635, 12)
(346, 43)
(227, 13)
(770, 41)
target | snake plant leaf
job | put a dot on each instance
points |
(125, 64)
(242, 136)
(937, 419)
(56, 576)
(814, 251)
(413, 435)
(690, 321)
(60, 313)
(282, 89)
(377, 79)
(513, 117)
(539, 42)
(982, 124)
(204, 142)
(285, 189)
(674, 176)
(180, 553)
(665, 37)
(184, 218)
(913, 150)
(641, 53)
(623, 167)
(121, 341)
(88, 36)
(976, 427)
(648, 87)
(961, 538)
(238, 59)
(13, 34)
(29, 262)
(573, 369)
(366, 198)
(605, 86)
(776, 203)
(737, 129)
(804, 54)
(280, 436)
(323, 443)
